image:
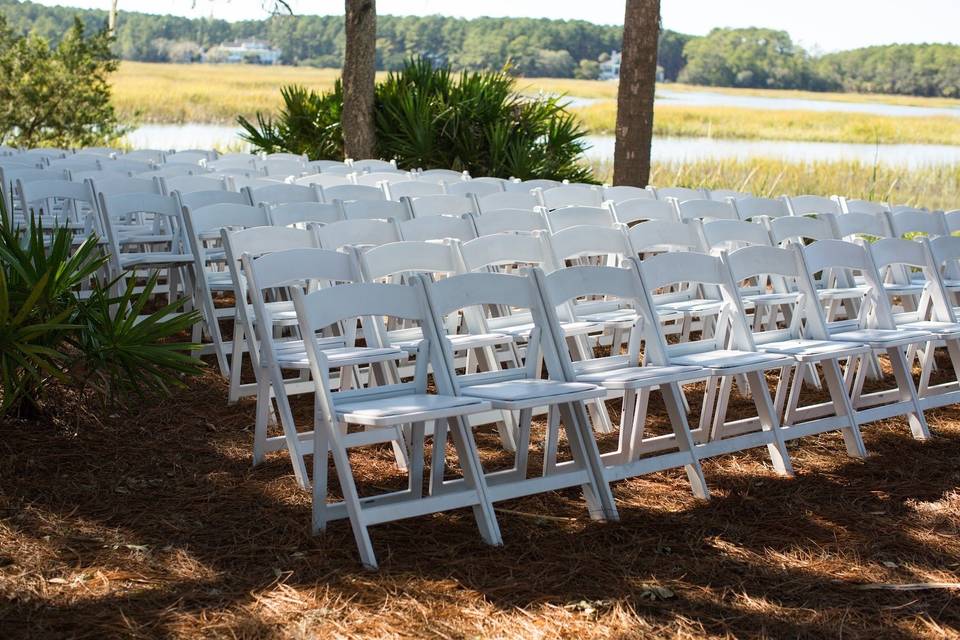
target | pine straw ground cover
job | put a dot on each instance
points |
(151, 523)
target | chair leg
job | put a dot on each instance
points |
(472, 470)
(844, 407)
(263, 414)
(415, 468)
(908, 393)
(678, 421)
(770, 422)
(583, 447)
(550, 441)
(321, 451)
(351, 497)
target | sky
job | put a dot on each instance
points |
(818, 25)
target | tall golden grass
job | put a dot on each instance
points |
(936, 187)
(145, 92)
(763, 124)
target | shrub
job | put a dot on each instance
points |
(429, 117)
(56, 96)
(49, 333)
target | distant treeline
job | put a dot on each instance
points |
(755, 58)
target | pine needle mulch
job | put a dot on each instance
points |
(151, 523)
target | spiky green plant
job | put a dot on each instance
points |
(428, 117)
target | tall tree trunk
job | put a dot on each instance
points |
(638, 78)
(112, 18)
(359, 76)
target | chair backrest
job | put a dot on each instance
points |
(350, 192)
(497, 181)
(197, 199)
(561, 219)
(189, 157)
(408, 257)
(952, 220)
(786, 264)
(118, 186)
(281, 167)
(126, 205)
(322, 180)
(283, 194)
(471, 188)
(205, 224)
(337, 235)
(577, 242)
(437, 228)
(411, 189)
(621, 286)
(374, 165)
(863, 206)
(236, 183)
(801, 228)
(698, 270)
(507, 200)
(660, 235)
(322, 166)
(852, 225)
(751, 207)
(639, 209)
(440, 205)
(705, 209)
(680, 193)
(373, 210)
(807, 204)
(929, 223)
(156, 156)
(60, 201)
(733, 234)
(526, 186)
(945, 253)
(570, 195)
(826, 256)
(506, 250)
(298, 213)
(443, 175)
(189, 184)
(172, 171)
(376, 178)
(509, 221)
(723, 195)
(232, 161)
(131, 166)
(259, 241)
(621, 193)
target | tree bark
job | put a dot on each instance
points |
(638, 78)
(359, 76)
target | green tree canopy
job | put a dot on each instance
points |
(56, 96)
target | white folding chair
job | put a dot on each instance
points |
(382, 411)
(441, 176)
(640, 209)
(622, 193)
(373, 210)
(374, 165)
(377, 178)
(527, 186)
(203, 226)
(301, 213)
(198, 199)
(322, 180)
(191, 183)
(283, 194)
(357, 233)
(569, 196)
(725, 355)
(437, 228)
(410, 189)
(810, 204)
(705, 210)
(875, 328)
(509, 221)
(722, 195)
(350, 192)
(520, 389)
(575, 216)
(471, 188)
(440, 205)
(751, 207)
(507, 200)
(679, 193)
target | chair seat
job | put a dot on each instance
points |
(912, 289)
(293, 358)
(522, 331)
(882, 338)
(699, 306)
(728, 359)
(413, 407)
(518, 394)
(460, 341)
(842, 293)
(806, 350)
(615, 316)
(637, 377)
(935, 327)
(128, 260)
(790, 297)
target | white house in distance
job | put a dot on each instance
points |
(248, 51)
(610, 68)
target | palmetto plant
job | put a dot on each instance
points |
(429, 117)
(50, 333)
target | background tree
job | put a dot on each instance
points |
(638, 79)
(359, 77)
(56, 96)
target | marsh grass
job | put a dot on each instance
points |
(935, 187)
(175, 93)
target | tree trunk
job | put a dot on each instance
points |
(359, 76)
(112, 18)
(638, 78)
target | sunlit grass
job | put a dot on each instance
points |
(145, 92)
(936, 187)
(764, 124)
